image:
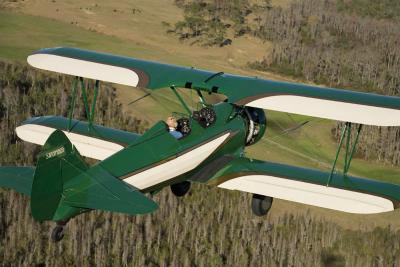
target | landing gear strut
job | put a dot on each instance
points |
(260, 205)
(58, 232)
(180, 189)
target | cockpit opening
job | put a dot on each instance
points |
(179, 125)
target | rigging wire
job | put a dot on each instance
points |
(289, 130)
(138, 99)
(313, 157)
(313, 153)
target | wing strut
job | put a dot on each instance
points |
(72, 107)
(89, 112)
(181, 100)
(349, 153)
(201, 98)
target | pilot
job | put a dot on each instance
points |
(172, 124)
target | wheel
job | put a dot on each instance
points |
(180, 189)
(260, 204)
(58, 233)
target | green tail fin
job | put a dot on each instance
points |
(58, 162)
(64, 186)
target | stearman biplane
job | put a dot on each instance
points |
(63, 185)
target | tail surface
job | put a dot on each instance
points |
(64, 185)
(58, 162)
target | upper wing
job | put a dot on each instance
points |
(307, 186)
(18, 178)
(330, 103)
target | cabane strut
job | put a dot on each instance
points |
(181, 100)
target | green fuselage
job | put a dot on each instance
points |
(157, 146)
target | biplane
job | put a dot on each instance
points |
(131, 167)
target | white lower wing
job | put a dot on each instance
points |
(87, 146)
(310, 194)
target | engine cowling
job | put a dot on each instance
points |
(256, 124)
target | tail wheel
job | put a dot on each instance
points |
(58, 233)
(180, 189)
(261, 205)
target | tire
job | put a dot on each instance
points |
(57, 234)
(260, 205)
(180, 189)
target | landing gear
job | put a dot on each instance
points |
(58, 232)
(180, 189)
(260, 205)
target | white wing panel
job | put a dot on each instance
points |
(334, 110)
(310, 194)
(87, 146)
(82, 68)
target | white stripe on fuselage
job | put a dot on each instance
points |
(334, 110)
(83, 68)
(175, 167)
(87, 146)
(310, 194)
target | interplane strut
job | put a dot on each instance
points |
(89, 112)
(349, 152)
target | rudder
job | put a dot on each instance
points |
(58, 162)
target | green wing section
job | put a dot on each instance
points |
(17, 178)
(330, 103)
(308, 186)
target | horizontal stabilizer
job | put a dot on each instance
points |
(308, 186)
(17, 178)
(108, 193)
(64, 184)
(329, 103)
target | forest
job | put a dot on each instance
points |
(209, 227)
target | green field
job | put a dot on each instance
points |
(22, 34)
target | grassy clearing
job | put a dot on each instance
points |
(23, 34)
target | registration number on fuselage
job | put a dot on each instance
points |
(55, 153)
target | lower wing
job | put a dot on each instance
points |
(92, 141)
(308, 186)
